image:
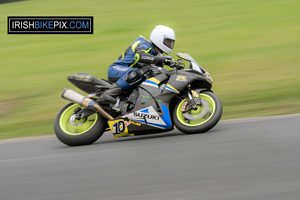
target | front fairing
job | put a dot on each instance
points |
(179, 79)
(194, 65)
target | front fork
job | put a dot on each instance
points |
(193, 100)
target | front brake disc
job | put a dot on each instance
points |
(201, 109)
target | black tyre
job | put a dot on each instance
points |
(201, 120)
(74, 132)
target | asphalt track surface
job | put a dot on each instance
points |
(237, 160)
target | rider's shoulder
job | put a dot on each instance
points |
(144, 40)
(141, 42)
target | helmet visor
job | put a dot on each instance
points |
(169, 43)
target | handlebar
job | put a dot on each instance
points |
(178, 65)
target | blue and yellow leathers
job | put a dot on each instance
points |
(141, 50)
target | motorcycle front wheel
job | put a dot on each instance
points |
(75, 132)
(199, 120)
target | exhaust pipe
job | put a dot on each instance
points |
(84, 101)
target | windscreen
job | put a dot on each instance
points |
(185, 56)
(189, 58)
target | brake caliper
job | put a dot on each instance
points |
(195, 108)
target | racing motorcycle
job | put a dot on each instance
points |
(181, 97)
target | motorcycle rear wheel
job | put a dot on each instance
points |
(204, 118)
(73, 132)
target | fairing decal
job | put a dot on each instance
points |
(150, 83)
(166, 117)
(150, 117)
(171, 88)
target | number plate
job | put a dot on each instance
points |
(119, 128)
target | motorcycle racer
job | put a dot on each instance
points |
(126, 71)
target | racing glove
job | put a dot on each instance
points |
(167, 60)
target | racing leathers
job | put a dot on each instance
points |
(126, 71)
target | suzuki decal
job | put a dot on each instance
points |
(151, 117)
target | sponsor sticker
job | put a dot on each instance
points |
(135, 123)
(86, 78)
(127, 123)
(195, 94)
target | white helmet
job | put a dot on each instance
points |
(163, 37)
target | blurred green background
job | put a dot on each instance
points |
(251, 49)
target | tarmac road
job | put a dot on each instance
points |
(237, 160)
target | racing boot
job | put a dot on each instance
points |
(109, 95)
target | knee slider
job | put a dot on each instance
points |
(134, 76)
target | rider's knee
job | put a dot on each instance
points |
(134, 76)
